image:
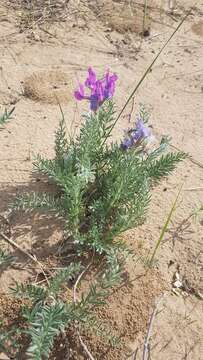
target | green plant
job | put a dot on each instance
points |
(5, 117)
(5, 259)
(103, 189)
(150, 262)
(48, 315)
(8, 344)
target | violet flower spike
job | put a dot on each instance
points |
(80, 94)
(143, 129)
(109, 85)
(136, 135)
(91, 79)
(99, 90)
(127, 143)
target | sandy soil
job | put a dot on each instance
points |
(93, 33)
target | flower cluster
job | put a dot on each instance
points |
(136, 135)
(99, 89)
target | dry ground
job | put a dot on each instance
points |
(40, 59)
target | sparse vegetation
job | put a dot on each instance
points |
(100, 188)
(103, 189)
(32, 12)
(6, 116)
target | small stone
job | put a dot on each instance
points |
(188, 50)
(177, 284)
(146, 33)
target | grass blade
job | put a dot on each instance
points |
(148, 69)
(164, 229)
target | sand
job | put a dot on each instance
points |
(95, 35)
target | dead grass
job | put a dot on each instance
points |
(120, 16)
(49, 87)
(31, 12)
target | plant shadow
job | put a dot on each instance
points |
(37, 232)
(179, 232)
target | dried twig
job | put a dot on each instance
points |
(11, 242)
(31, 257)
(75, 301)
(145, 355)
(84, 346)
(198, 188)
(78, 280)
(134, 356)
(131, 110)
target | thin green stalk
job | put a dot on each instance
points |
(62, 113)
(146, 72)
(164, 229)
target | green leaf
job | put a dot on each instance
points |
(63, 276)
(5, 258)
(29, 291)
(61, 141)
(164, 229)
(48, 322)
(6, 116)
(163, 166)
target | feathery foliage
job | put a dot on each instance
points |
(8, 337)
(103, 189)
(6, 116)
(164, 165)
(38, 293)
(48, 315)
(5, 258)
(29, 291)
(47, 323)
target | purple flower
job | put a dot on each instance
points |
(91, 79)
(136, 135)
(141, 131)
(99, 90)
(79, 94)
(127, 143)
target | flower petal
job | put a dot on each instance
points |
(79, 94)
(144, 130)
(94, 103)
(127, 143)
(100, 90)
(91, 79)
(110, 85)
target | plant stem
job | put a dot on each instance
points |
(146, 72)
(86, 350)
(31, 257)
(145, 355)
(164, 229)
